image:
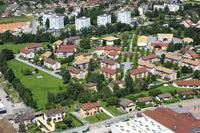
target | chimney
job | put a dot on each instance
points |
(175, 127)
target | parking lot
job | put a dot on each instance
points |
(8, 104)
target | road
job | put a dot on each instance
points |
(34, 25)
(38, 67)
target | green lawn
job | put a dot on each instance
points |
(39, 87)
(16, 19)
(2, 8)
(16, 47)
(92, 119)
(99, 117)
(112, 109)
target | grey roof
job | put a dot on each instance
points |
(54, 111)
(125, 102)
(23, 110)
(145, 99)
(166, 95)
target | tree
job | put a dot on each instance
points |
(170, 47)
(113, 101)
(22, 128)
(136, 61)
(166, 9)
(85, 43)
(104, 42)
(91, 65)
(168, 64)
(7, 54)
(59, 10)
(66, 76)
(47, 23)
(129, 82)
(197, 74)
(162, 59)
(10, 75)
(155, 92)
(184, 69)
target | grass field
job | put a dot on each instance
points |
(39, 87)
(16, 47)
(3, 7)
(99, 117)
(192, 2)
(16, 19)
(112, 109)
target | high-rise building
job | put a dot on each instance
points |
(82, 22)
(103, 19)
(124, 17)
(57, 22)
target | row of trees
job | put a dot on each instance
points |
(8, 73)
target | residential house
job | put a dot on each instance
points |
(139, 73)
(146, 100)
(188, 23)
(91, 86)
(109, 64)
(99, 51)
(185, 94)
(109, 40)
(149, 58)
(54, 115)
(34, 47)
(108, 49)
(127, 105)
(109, 73)
(90, 109)
(57, 44)
(195, 65)
(142, 41)
(82, 60)
(52, 64)
(74, 47)
(188, 40)
(63, 53)
(28, 54)
(186, 49)
(187, 84)
(166, 96)
(150, 67)
(174, 59)
(75, 40)
(157, 46)
(76, 73)
(14, 27)
(166, 73)
(191, 55)
(45, 55)
(113, 55)
(120, 83)
(164, 37)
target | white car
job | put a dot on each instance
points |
(165, 85)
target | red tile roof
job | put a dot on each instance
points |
(112, 54)
(179, 123)
(64, 50)
(117, 49)
(25, 51)
(108, 48)
(108, 70)
(50, 61)
(194, 54)
(90, 105)
(139, 70)
(108, 61)
(68, 46)
(149, 57)
(34, 46)
(99, 48)
(159, 44)
(186, 93)
(187, 82)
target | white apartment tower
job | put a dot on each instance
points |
(82, 22)
(48, 15)
(103, 19)
(124, 17)
(57, 22)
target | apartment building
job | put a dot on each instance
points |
(120, 83)
(82, 22)
(166, 73)
(103, 20)
(52, 64)
(139, 73)
(33, 47)
(57, 22)
(63, 53)
(76, 73)
(109, 64)
(109, 73)
(174, 59)
(150, 67)
(187, 84)
(82, 60)
(124, 17)
(149, 58)
(195, 65)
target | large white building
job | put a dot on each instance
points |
(103, 19)
(124, 17)
(82, 22)
(55, 22)
(172, 7)
(140, 125)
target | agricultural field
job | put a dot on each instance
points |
(16, 19)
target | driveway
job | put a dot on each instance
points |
(38, 67)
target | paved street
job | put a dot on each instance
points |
(38, 67)
(34, 25)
